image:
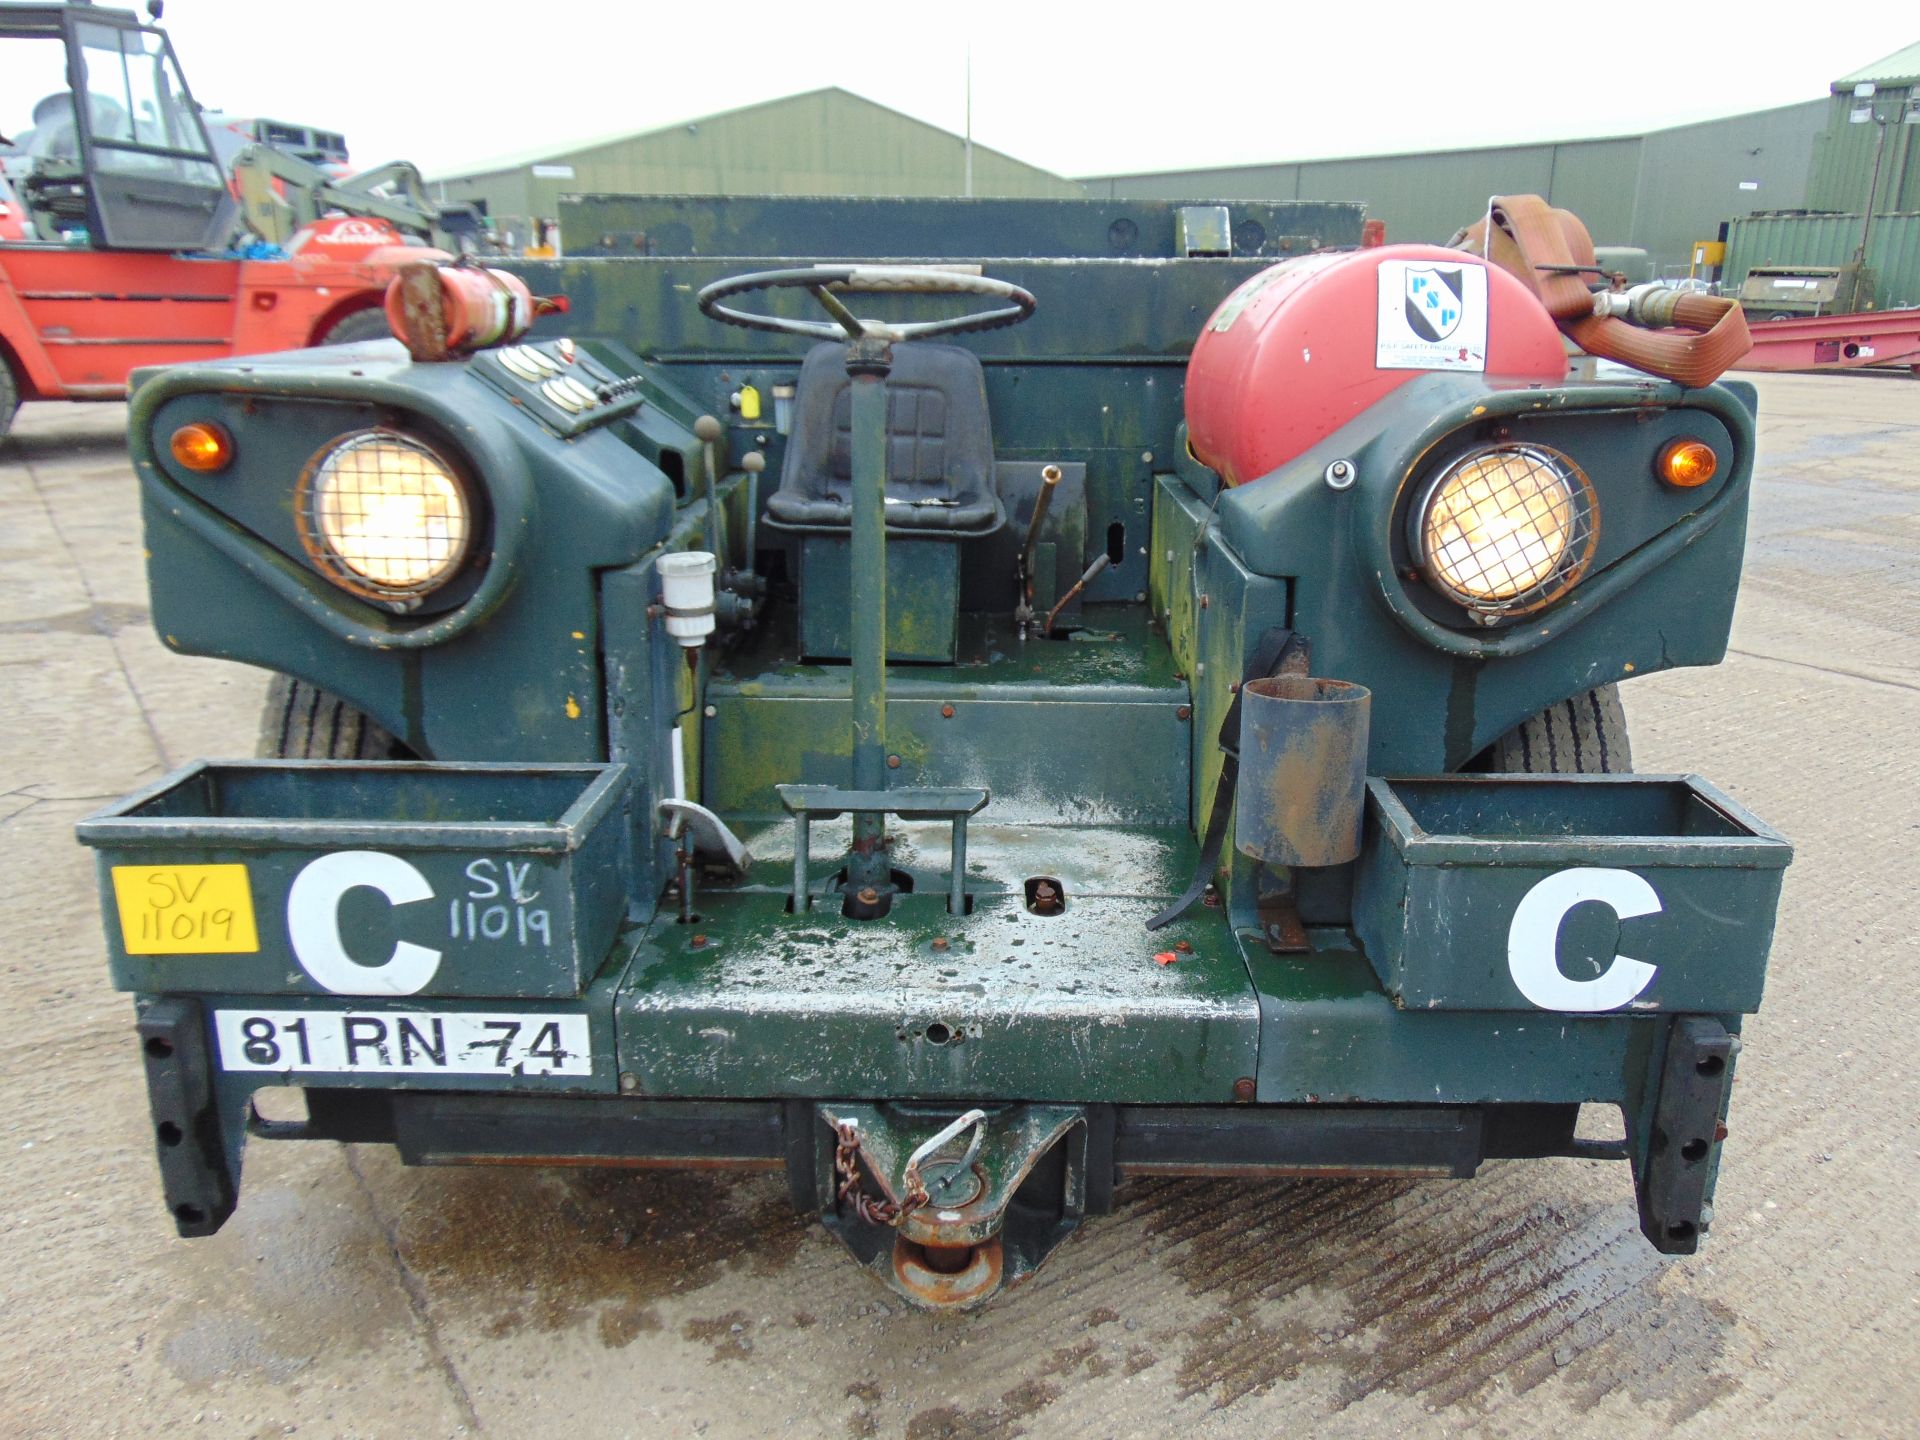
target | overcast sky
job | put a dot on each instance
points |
(1080, 89)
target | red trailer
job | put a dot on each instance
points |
(1866, 339)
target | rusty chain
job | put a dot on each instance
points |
(846, 1164)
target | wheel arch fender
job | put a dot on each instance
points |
(359, 302)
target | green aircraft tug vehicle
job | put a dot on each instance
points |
(962, 702)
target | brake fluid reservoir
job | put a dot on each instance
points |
(686, 593)
(1304, 346)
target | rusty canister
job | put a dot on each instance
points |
(1303, 769)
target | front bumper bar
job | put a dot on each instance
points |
(1040, 1169)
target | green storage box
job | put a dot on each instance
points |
(336, 878)
(1575, 894)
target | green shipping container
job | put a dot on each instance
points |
(1893, 250)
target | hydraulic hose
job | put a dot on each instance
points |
(1550, 252)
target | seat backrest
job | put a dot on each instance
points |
(939, 444)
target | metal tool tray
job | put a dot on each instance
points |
(324, 877)
(1572, 894)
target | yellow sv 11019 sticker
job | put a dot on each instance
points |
(185, 909)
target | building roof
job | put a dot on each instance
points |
(1494, 147)
(1347, 158)
(553, 152)
(1900, 68)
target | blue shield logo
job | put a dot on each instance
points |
(1434, 304)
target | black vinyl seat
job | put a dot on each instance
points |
(939, 446)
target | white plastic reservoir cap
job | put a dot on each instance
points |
(686, 589)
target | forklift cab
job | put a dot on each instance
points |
(107, 148)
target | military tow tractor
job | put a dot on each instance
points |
(133, 244)
(1037, 695)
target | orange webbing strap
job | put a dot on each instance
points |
(1550, 252)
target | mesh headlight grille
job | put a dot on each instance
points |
(383, 516)
(1508, 529)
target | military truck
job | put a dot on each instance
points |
(791, 711)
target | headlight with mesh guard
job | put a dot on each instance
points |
(1507, 529)
(383, 516)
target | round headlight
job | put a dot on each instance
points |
(384, 516)
(1506, 530)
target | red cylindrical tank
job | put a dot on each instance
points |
(440, 311)
(1301, 348)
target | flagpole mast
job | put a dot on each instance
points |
(969, 189)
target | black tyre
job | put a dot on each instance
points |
(303, 722)
(361, 325)
(1586, 735)
(9, 396)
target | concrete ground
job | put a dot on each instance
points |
(352, 1297)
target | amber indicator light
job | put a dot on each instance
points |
(202, 446)
(1688, 463)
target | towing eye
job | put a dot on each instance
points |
(846, 1162)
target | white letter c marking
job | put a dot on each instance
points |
(313, 923)
(1533, 940)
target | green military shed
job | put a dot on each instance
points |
(1872, 115)
(1659, 191)
(823, 142)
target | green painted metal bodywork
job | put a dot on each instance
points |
(1448, 862)
(742, 225)
(1111, 690)
(528, 858)
(1346, 1041)
(1074, 1010)
(561, 513)
(1098, 749)
(921, 624)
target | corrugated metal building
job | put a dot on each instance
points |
(1692, 177)
(1843, 157)
(1866, 161)
(824, 142)
(1421, 196)
(1661, 190)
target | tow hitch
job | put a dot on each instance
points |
(948, 1216)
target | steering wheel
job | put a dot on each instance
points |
(829, 282)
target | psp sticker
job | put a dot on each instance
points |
(1433, 316)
